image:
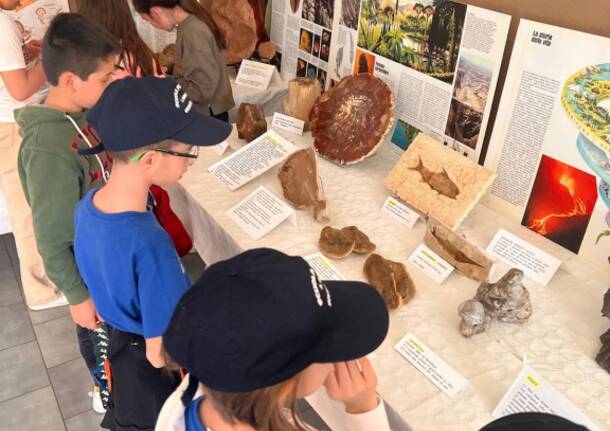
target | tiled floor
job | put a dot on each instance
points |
(43, 380)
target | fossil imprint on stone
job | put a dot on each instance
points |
(390, 279)
(350, 121)
(438, 181)
(464, 256)
(301, 184)
(340, 243)
(506, 300)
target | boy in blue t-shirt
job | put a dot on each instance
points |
(126, 259)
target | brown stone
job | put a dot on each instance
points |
(301, 184)
(391, 279)
(302, 94)
(251, 122)
(350, 121)
(237, 23)
(336, 243)
(267, 50)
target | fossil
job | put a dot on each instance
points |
(391, 279)
(506, 300)
(456, 250)
(340, 243)
(438, 181)
(251, 122)
(603, 357)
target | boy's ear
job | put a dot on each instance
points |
(68, 80)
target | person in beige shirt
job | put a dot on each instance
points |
(200, 68)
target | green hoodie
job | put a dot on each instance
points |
(55, 178)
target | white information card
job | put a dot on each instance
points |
(254, 74)
(513, 251)
(260, 213)
(431, 264)
(434, 368)
(252, 160)
(324, 267)
(396, 209)
(531, 393)
(287, 123)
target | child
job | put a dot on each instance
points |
(259, 331)
(78, 58)
(127, 260)
(21, 83)
(114, 15)
(199, 61)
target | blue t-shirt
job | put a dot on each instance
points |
(192, 420)
(130, 267)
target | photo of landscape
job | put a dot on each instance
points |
(424, 35)
(470, 94)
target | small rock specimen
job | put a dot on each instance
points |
(302, 94)
(506, 300)
(251, 122)
(461, 254)
(603, 357)
(391, 279)
(266, 50)
(237, 23)
(340, 243)
(301, 184)
(350, 121)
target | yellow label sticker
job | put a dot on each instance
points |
(415, 344)
(392, 202)
(532, 381)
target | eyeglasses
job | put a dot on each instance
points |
(193, 153)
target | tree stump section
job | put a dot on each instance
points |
(302, 94)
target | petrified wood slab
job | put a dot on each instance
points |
(251, 122)
(302, 94)
(464, 256)
(391, 279)
(350, 121)
(301, 184)
(438, 181)
(237, 23)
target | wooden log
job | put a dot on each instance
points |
(302, 94)
(251, 122)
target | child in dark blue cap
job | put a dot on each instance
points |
(260, 330)
(126, 259)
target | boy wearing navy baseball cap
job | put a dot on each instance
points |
(260, 330)
(126, 259)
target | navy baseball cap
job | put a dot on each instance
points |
(261, 317)
(133, 113)
(532, 422)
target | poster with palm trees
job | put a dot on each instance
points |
(424, 35)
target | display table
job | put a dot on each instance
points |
(270, 99)
(560, 340)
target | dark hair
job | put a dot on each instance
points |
(191, 6)
(115, 16)
(75, 44)
(125, 156)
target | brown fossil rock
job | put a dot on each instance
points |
(251, 122)
(237, 23)
(340, 243)
(301, 184)
(603, 357)
(350, 121)
(391, 279)
(302, 94)
(464, 256)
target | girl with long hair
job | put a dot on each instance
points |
(260, 330)
(200, 68)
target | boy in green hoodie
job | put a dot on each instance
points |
(78, 58)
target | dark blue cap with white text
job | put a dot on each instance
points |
(261, 317)
(135, 112)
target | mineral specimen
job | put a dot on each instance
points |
(340, 243)
(350, 121)
(461, 254)
(506, 300)
(301, 184)
(237, 23)
(391, 279)
(251, 122)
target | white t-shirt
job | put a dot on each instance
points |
(12, 58)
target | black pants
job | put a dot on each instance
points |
(138, 389)
(85, 345)
(223, 116)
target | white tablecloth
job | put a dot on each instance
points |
(271, 99)
(560, 340)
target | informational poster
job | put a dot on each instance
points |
(442, 60)
(551, 141)
(34, 16)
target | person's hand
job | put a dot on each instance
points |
(34, 47)
(353, 383)
(84, 314)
